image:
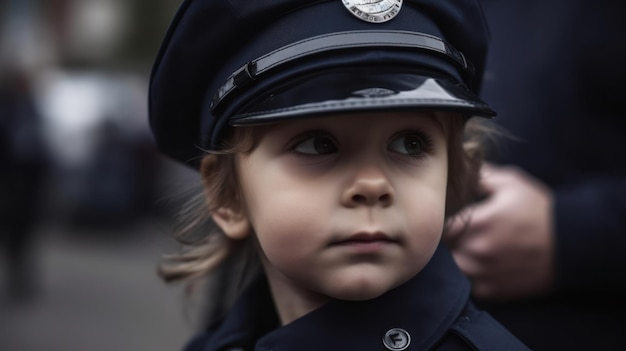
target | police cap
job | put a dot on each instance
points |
(228, 63)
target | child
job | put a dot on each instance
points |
(330, 139)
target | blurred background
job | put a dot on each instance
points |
(86, 204)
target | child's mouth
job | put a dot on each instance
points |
(366, 242)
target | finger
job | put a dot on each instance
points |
(492, 179)
(486, 168)
(457, 226)
(469, 222)
(497, 177)
(472, 222)
(469, 266)
(474, 218)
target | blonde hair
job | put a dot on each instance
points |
(207, 251)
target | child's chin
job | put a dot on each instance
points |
(363, 292)
(361, 296)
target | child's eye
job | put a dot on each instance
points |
(315, 145)
(410, 144)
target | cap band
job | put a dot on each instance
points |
(339, 41)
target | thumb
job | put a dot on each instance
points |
(460, 223)
(492, 178)
(457, 225)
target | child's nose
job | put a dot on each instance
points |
(370, 187)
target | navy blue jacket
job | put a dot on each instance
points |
(433, 308)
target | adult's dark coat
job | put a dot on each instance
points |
(556, 74)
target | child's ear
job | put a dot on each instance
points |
(234, 224)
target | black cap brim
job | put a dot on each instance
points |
(357, 89)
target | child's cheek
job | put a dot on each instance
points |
(286, 222)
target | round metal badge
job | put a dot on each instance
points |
(374, 11)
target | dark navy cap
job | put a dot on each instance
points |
(229, 63)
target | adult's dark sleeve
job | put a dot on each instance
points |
(590, 230)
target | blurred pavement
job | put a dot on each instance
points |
(97, 291)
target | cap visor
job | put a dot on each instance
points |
(354, 90)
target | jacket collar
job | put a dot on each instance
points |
(425, 307)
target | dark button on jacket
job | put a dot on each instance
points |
(433, 309)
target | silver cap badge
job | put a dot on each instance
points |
(374, 11)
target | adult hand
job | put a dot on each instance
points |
(505, 243)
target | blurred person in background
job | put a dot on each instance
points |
(546, 248)
(23, 156)
(22, 173)
(92, 98)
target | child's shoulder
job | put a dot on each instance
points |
(420, 313)
(474, 330)
(478, 330)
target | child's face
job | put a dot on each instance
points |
(347, 207)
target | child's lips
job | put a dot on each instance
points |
(366, 241)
